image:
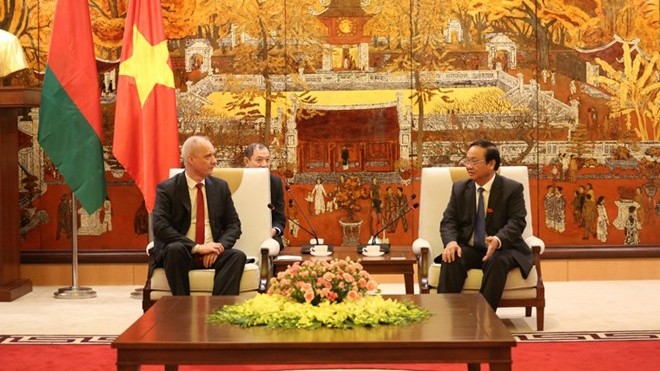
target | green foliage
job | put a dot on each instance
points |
(276, 311)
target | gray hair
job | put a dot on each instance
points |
(190, 144)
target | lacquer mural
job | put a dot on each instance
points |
(354, 97)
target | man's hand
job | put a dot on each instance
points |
(209, 260)
(492, 245)
(210, 252)
(450, 252)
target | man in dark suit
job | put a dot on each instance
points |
(258, 155)
(180, 242)
(501, 246)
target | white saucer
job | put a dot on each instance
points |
(289, 257)
(327, 253)
(378, 253)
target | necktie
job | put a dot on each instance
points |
(199, 223)
(480, 223)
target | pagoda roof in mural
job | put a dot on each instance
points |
(344, 8)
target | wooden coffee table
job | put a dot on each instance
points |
(400, 260)
(462, 329)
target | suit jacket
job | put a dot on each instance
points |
(277, 199)
(172, 213)
(505, 218)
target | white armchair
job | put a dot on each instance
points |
(250, 191)
(435, 191)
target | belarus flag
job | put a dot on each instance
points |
(146, 138)
(70, 114)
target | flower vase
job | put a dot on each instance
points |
(350, 231)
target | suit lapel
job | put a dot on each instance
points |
(212, 201)
(494, 197)
(182, 189)
(181, 203)
(471, 200)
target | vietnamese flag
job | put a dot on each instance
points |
(146, 138)
(70, 114)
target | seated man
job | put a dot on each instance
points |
(258, 155)
(196, 225)
(482, 227)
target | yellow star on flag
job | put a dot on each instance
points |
(148, 65)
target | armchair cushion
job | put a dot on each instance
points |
(201, 281)
(514, 279)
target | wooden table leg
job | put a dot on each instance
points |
(128, 367)
(500, 366)
(409, 279)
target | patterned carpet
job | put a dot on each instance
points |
(541, 337)
(538, 337)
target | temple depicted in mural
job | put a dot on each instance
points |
(365, 93)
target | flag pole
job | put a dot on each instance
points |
(74, 291)
(151, 227)
(139, 291)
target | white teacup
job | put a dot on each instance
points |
(313, 241)
(371, 249)
(319, 250)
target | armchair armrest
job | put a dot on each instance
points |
(264, 270)
(532, 241)
(418, 244)
(423, 270)
(150, 248)
(272, 246)
(268, 249)
(538, 247)
(422, 249)
(536, 253)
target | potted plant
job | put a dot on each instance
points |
(347, 194)
(349, 190)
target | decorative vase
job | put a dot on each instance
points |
(350, 230)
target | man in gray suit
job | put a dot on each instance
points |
(182, 240)
(495, 243)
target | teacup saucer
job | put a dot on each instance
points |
(377, 253)
(326, 253)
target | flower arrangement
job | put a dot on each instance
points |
(316, 293)
(315, 281)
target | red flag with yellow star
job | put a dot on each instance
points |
(146, 138)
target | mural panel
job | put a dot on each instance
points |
(354, 97)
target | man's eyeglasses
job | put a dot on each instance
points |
(467, 161)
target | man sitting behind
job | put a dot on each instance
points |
(501, 246)
(258, 155)
(196, 225)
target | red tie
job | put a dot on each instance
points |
(200, 223)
